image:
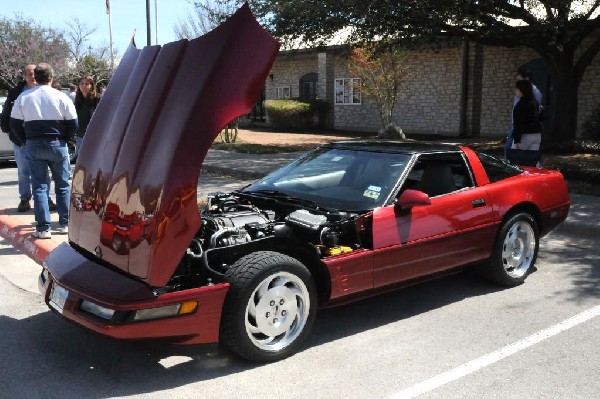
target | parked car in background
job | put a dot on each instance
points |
(6, 146)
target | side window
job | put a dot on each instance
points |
(496, 169)
(439, 174)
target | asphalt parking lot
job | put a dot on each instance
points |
(455, 337)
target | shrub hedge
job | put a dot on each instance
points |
(296, 114)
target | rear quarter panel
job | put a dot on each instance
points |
(544, 189)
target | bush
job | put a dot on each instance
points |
(296, 114)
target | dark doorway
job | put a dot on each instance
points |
(308, 86)
(543, 80)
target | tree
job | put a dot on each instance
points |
(382, 72)
(78, 33)
(85, 60)
(565, 33)
(24, 41)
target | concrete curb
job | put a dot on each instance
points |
(19, 235)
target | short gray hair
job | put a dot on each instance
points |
(43, 73)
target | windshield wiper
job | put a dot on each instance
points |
(278, 195)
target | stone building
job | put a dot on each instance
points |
(458, 89)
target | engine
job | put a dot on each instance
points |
(226, 221)
(232, 227)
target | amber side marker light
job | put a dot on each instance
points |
(166, 311)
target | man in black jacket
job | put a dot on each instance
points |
(23, 172)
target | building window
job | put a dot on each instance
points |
(283, 92)
(347, 91)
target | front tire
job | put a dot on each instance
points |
(270, 307)
(515, 251)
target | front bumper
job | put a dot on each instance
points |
(80, 280)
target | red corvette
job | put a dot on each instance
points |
(250, 268)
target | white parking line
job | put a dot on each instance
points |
(486, 360)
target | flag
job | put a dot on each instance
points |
(108, 6)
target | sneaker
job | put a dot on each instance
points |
(42, 234)
(63, 230)
(24, 206)
(52, 206)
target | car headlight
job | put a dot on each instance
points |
(97, 310)
(165, 311)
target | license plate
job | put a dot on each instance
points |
(58, 297)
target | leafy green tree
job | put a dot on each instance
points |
(565, 33)
(24, 41)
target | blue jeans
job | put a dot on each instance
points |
(54, 154)
(23, 173)
(78, 141)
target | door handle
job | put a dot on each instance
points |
(478, 203)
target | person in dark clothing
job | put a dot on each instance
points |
(522, 74)
(23, 172)
(86, 101)
(527, 130)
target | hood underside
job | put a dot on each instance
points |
(133, 200)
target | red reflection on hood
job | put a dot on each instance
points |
(139, 165)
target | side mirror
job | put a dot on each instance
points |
(411, 198)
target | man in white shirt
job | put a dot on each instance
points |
(45, 119)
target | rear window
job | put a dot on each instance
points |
(497, 169)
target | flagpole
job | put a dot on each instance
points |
(112, 55)
(156, 22)
(148, 24)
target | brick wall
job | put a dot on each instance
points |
(498, 81)
(588, 93)
(418, 111)
(430, 102)
(288, 70)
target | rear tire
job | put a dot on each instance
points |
(270, 307)
(515, 251)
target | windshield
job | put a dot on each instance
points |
(337, 178)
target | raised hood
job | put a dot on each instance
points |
(133, 200)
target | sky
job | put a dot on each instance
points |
(126, 16)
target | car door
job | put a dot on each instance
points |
(457, 228)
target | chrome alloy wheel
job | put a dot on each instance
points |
(518, 249)
(277, 311)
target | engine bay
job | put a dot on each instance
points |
(235, 224)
